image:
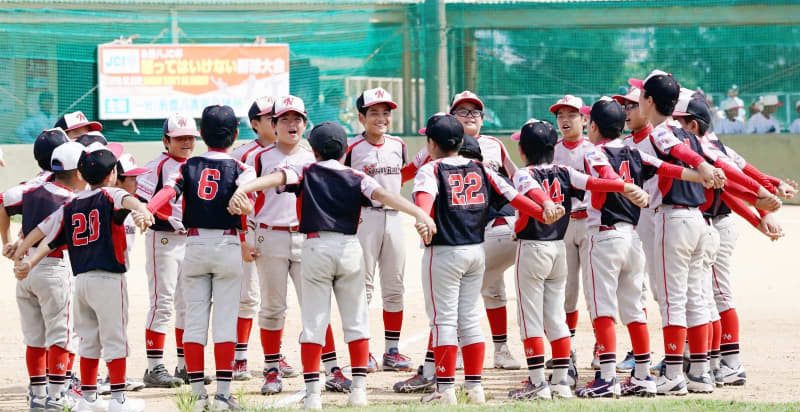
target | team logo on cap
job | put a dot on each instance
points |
(288, 101)
(80, 116)
(182, 121)
(379, 93)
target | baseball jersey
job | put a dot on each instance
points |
(795, 127)
(462, 190)
(714, 148)
(758, 124)
(41, 177)
(278, 207)
(493, 151)
(35, 202)
(164, 171)
(91, 225)
(658, 143)
(604, 208)
(328, 196)
(725, 126)
(244, 151)
(206, 184)
(561, 183)
(571, 154)
(382, 162)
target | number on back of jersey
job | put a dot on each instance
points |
(554, 190)
(625, 171)
(466, 190)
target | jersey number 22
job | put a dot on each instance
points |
(464, 187)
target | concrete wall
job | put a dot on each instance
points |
(778, 155)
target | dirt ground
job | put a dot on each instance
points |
(766, 280)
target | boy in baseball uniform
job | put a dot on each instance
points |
(381, 156)
(260, 116)
(457, 193)
(164, 251)
(328, 201)
(76, 124)
(212, 266)
(541, 271)
(570, 151)
(44, 298)
(91, 226)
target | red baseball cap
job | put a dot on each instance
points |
(287, 104)
(632, 96)
(465, 96)
(569, 101)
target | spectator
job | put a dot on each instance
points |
(28, 130)
(733, 95)
(729, 124)
(716, 113)
(755, 107)
(795, 127)
(765, 122)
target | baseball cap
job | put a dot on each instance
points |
(375, 96)
(180, 124)
(770, 100)
(465, 96)
(126, 166)
(607, 113)
(445, 130)
(263, 105)
(515, 135)
(329, 139)
(569, 101)
(74, 120)
(537, 136)
(692, 104)
(660, 85)
(45, 143)
(66, 156)
(289, 103)
(632, 95)
(470, 148)
(218, 120)
(730, 104)
(92, 137)
(97, 161)
(733, 87)
(424, 129)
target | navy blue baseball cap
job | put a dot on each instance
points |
(97, 161)
(660, 85)
(218, 120)
(445, 130)
(607, 113)
(691, 103)
(470, 148)
(44, 145)
(329, 139)
(538, 136)
(92, 137)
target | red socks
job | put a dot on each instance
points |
(698, 339)
(392, 324)
(57, 362)
(560, 348)
(195, 361)
(534, 352)
(271, 344)
(310, 354)
(89, 369)
(223, 360)
(498, 323)
(640, 338)
(716, 333)
(178, 342)
(359, 356)
(36, 361)
(572, 322)
(606, 335)
(116, 374)
(473, 361)
(154, 343)
(445, 358)
(730, 326)
(243, 327)
(329, 345)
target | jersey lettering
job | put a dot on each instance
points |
(79, 221)
(625, 171)
(472, 182)
(207, 189)
(554, 190)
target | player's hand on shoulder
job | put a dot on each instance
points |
(249, 252)
(769, 226)
(769, 203)
(787, 189)
(21, 269)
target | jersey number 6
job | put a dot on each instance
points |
(472, 182)
(79, 223)
(207, 189)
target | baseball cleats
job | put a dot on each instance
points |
(272, 383)
(675, 386)
(657, 368)
(62, 403)
(731, 376)
(700, 384)
(416, 383)
(599, 388)
(372, 364)
(633, 386)
(395, 361)
(98, 405)
(628, 364)
(183, 374)
(357, 397)
(475, 395)
(287, 371)
(201, 403)
(445, 397)
(718, 381)
(504, 360)
(531, 391)
(128, 405)
(571, 382)
(37, 403)
(225, 403)
(160, 378)
(240, 372)
(337, 382)
(312, 401)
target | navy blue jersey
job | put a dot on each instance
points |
(558, 183)
(628, 165)
(500, 206)
(92, 227)
(207, 184)
(328, 197)
(35, 202)
(718, 207)
(679, 192)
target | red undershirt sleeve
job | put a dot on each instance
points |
(670, 170)
(528, 207)
(685, 154)
(741, 209)
(425, 201)
(604, 185)
(538, 195)
(159, 200)
(769, 182)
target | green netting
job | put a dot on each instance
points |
(338, 47)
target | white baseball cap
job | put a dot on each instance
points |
(567, 101)
(375, 96)
(66, 156)
(74, 120)
(180, 124)
(515, 136)
(261, 106)
(632, 96)
(289, 103)
(465, 96)
(126, 166)
(770, 100)
(729, 104)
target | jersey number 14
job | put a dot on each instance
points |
(553, 190)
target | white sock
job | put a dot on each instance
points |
(181, 362)
(732, 360)
(153, 362)
(223, 387)
(312, 387)
(39, 391)
(537, 376)
(359, 381)
(608, 370)
(498, 346)
(559, 375)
